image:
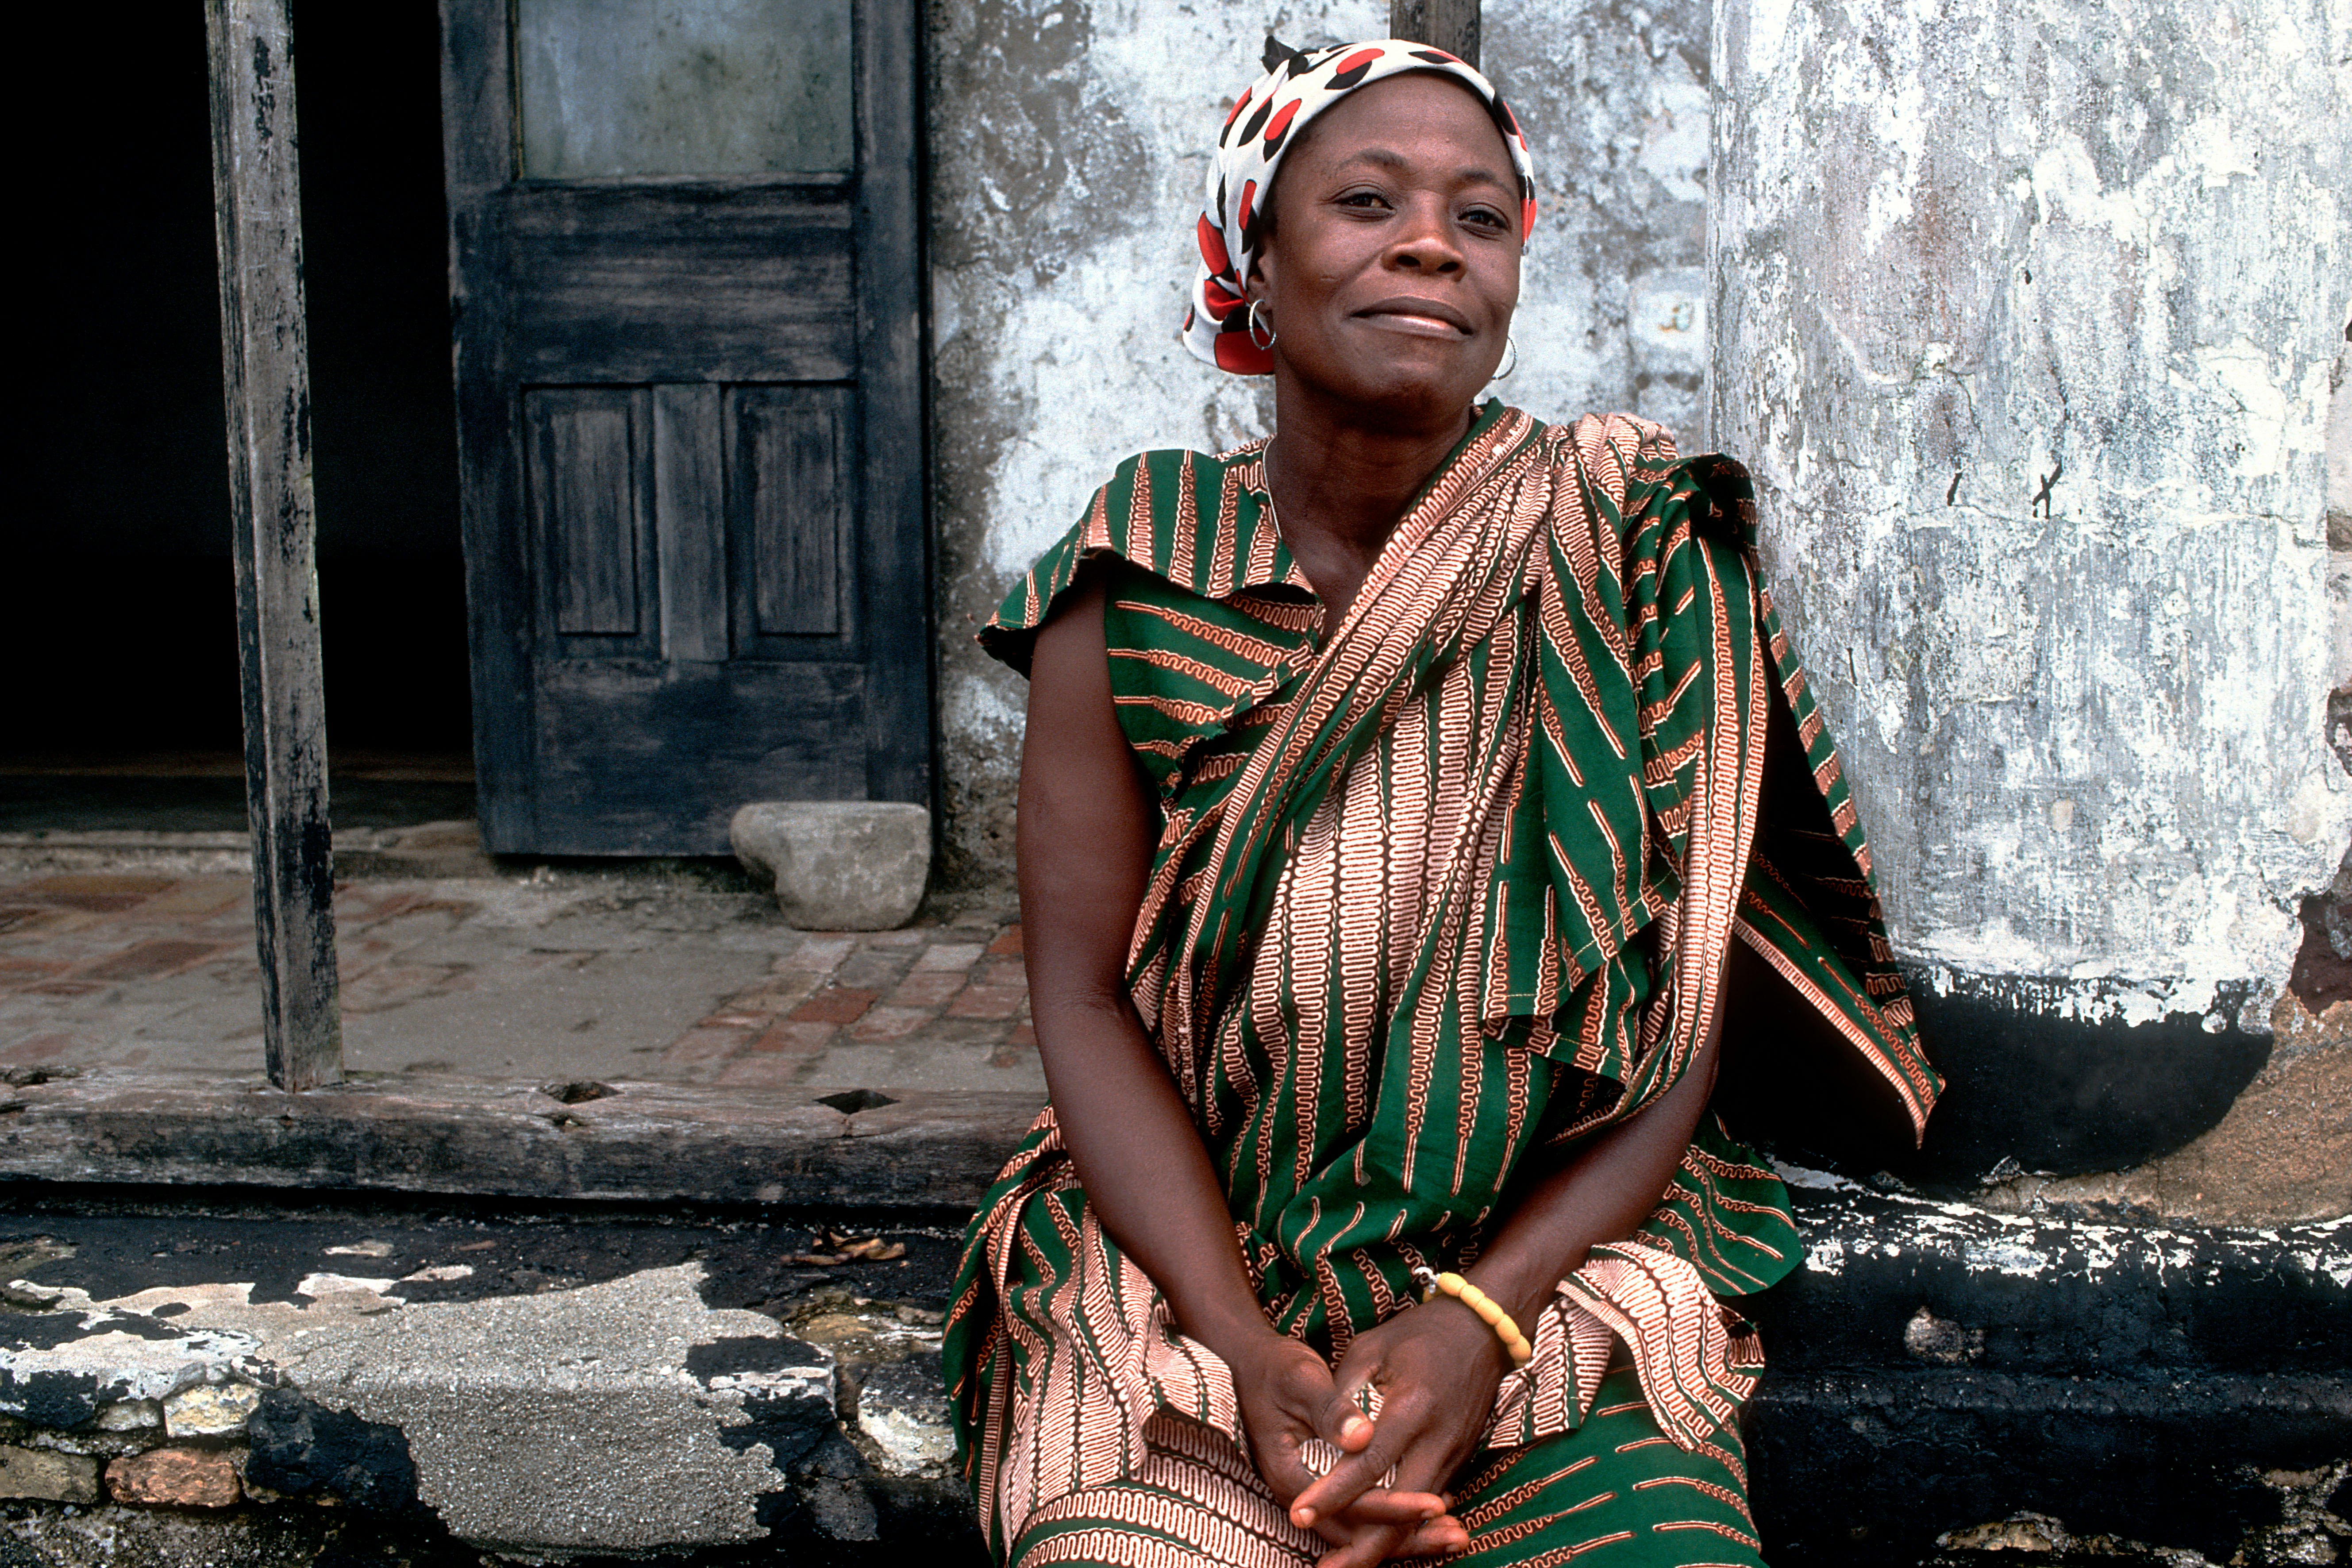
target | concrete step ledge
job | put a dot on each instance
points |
(620, 1140)
(474, 1379)
(690, 1362)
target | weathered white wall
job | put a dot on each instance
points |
(1069, 142)
(2025, 317)
(1612, 309)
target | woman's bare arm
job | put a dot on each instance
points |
(1088, 825)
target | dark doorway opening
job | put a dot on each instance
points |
(128, 714)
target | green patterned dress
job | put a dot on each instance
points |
(1454, 887)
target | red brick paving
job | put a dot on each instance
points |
(701, 1045)
(989, 1002)
(962, 987)
(764, 1070)
(887, 1023)
(96, 894)
(80, 951)
(799, 1041)
(835, 1005)
(39, 1048)
(927, 989)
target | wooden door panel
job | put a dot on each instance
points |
(616, 736)
(690, 508)
(793, 454)
(690, 426)
(590, 499)
(684, 281)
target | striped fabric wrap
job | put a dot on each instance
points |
(1452, 887)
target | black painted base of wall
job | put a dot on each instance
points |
(2054, 1076)
(1870, 1465)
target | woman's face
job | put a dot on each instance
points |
(1394, 267)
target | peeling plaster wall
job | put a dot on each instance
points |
(2025, 319)
(1068, 146)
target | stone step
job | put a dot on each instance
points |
(216, 1370)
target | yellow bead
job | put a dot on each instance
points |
(1452, 1284)
(1488, 1311)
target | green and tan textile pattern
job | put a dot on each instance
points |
(1450, 888)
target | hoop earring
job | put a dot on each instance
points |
(1252, 325)
(1511, 365)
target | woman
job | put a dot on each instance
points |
(1396, 843)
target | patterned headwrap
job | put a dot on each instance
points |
(1267, 120)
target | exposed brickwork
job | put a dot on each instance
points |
(181, 1477)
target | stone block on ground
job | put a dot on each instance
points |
(40, 1473)
(838, 865)
(175, 1478)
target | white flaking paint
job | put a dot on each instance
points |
(2025, 323)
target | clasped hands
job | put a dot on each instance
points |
(1436, 1367)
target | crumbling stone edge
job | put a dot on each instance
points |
(1936, 1370)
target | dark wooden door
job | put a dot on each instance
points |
(686, 275)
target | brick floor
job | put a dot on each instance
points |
(835, 1005)
(591, 975)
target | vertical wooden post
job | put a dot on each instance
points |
(1451, 24)
(266, 378)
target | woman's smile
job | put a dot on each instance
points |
(1422, 317)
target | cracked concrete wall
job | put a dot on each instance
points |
(2026, 320)
(1069, 145)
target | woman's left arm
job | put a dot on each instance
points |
(1437, 1366)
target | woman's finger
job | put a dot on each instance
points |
(1372, 1545)
(1348, 1481)
(1382, 1506)
(1440, 1537)
(1280, 1415)
(1342, 1424)
(1422, 1464)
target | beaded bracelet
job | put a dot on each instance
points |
(1434, 1284)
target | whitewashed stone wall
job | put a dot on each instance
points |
(2026, 316)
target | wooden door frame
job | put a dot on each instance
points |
(482, 156)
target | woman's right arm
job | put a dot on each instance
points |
(1090, 823)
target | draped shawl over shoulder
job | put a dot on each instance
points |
(1454, 887)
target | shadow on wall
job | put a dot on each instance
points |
(2322, 969)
